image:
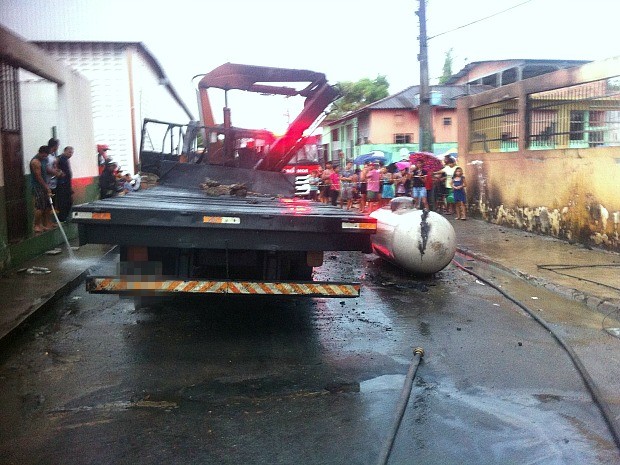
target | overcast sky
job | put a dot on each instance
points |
(346, 40)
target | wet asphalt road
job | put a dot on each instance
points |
(303, 381)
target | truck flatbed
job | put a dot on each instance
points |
(172, 217)
(178, 213)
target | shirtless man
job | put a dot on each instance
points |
(41, 191)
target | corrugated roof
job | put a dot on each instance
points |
(510, 63)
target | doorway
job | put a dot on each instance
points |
(12, 157)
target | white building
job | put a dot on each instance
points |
(127, 85)
(39, 99)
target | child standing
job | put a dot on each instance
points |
(314, 180)
(458, 186)
(387, 187)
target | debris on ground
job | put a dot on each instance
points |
(55, 251)
(38, 270)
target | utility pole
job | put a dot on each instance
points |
(424, 109)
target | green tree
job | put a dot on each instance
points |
(355, 95)
(447, 67)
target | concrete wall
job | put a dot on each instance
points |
(106, 66)
(46, 106)
(40, 116)
(570, 195)
(384, 124)
(566, 193)
(445, 133)
(125, 89)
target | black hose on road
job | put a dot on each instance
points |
(581, 369)
(418, 353)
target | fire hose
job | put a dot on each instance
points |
(418, 353)
(596, 394)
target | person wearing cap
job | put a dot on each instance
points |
(102, 157)
(108, 185)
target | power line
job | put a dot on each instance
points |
(479, 20)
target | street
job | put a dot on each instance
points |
(305, 381)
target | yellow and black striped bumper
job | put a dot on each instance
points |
(116, 285)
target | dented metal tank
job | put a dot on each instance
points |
(420, 241)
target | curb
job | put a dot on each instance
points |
(592, 302)
(46, 301)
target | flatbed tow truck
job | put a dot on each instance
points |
(256, 238)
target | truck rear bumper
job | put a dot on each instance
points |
(157, 286)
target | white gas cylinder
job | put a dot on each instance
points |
(423, 242)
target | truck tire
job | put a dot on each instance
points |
(300, 270)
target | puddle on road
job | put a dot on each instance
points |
(383, 383)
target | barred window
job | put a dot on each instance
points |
(494, 127)
(9, 98)
(579, 116)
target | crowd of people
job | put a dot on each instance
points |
(366, 188)
(51, 180)
(374, 184)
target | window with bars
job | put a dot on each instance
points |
(9, 98)
(494, 127)
(580, 116)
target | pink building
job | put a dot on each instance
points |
(391, 125)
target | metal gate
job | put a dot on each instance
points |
(12, 157)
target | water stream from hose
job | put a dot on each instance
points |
(62, 230)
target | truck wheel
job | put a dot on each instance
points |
(301, 271)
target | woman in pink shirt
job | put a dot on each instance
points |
(374, 187)
(334, 188)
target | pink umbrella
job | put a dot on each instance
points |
(402, 165)
(431, 162)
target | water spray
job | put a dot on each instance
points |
(62, 230)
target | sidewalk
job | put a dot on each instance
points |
(588, 275)
(594, 280)
(24, 292)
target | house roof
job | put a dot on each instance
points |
(144, 51)
(408, 99)
(510, 63)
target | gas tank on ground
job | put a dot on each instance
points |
(423, 242)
